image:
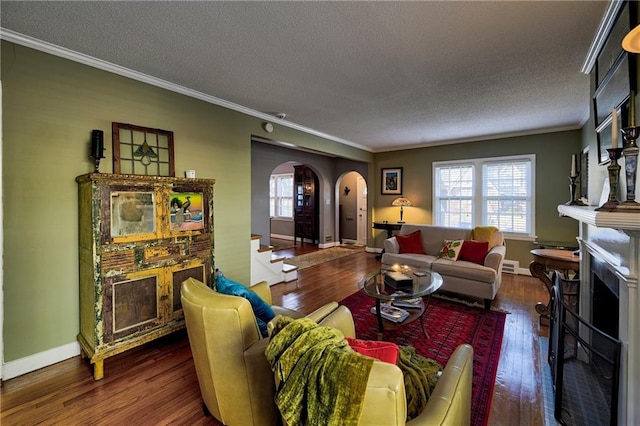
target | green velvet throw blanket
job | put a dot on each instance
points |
(420, 377)
(322, 380)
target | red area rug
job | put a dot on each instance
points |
(449, 324)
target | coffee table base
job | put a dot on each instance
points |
(414, 314)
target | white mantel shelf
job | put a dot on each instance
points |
(625, 221)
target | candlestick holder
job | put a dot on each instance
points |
(630, 153)
(97, 148)
(574, 201)
(614, 172)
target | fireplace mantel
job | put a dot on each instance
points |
(613, 238)
(627, 222)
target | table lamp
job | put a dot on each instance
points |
(402, 202)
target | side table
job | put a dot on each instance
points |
(389, 227)
(545, 261)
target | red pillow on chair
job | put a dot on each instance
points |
(474, 251)
(411, 243)
(384, 351)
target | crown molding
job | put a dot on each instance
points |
(602, 33)
(62, 52)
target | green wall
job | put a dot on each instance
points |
(553, 161)
(50, 106)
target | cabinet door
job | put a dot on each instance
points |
(177, 274)
(132, 303)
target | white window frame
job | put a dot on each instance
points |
(479, 213)
(277, 197)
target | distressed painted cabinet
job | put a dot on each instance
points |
(140, 237)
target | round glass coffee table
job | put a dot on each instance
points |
(407, 288)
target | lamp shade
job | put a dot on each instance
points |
(631, 42)
(401, 201)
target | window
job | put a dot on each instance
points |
(489, 191)
(281, 195)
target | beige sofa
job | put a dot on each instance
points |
(460, 276)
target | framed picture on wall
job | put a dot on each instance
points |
(141, 150)
(391, 181)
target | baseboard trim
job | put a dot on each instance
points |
(524, 271)
(40, 360)
(327, 245)
(282, 237)
(373, 250)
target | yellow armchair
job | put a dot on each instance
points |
(234, 375)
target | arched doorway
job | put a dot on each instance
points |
(351, 199)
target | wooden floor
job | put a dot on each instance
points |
(156, 383)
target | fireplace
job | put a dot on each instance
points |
(610, 293)
(584, 361)
(605, 298)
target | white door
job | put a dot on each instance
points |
(362, 211)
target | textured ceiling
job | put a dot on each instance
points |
(378, 75)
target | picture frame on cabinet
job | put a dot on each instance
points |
(139, 150)
(391, 181)
(131, 216)
(187, 211)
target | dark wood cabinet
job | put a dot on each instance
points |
(306, 205)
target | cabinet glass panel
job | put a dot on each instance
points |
(132, 214)
(131, 303)
(197, 272)
(187, 211)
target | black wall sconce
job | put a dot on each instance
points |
(97, 147)
(346, 190)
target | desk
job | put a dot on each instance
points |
(389, 227)
(545, 261)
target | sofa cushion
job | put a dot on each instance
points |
(451, 249)
(261, 309)
(463, 269)
(474, 251)
(383, 351)
(411, 243)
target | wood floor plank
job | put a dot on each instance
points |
(156, 383)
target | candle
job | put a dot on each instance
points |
(614, 128)
(632, 109)
(573, 165)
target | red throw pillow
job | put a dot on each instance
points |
(411, 243)
(384, 351)
(474, 251)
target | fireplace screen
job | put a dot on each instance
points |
(586, 373)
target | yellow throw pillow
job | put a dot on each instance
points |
(483, 233)
(451, 249)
